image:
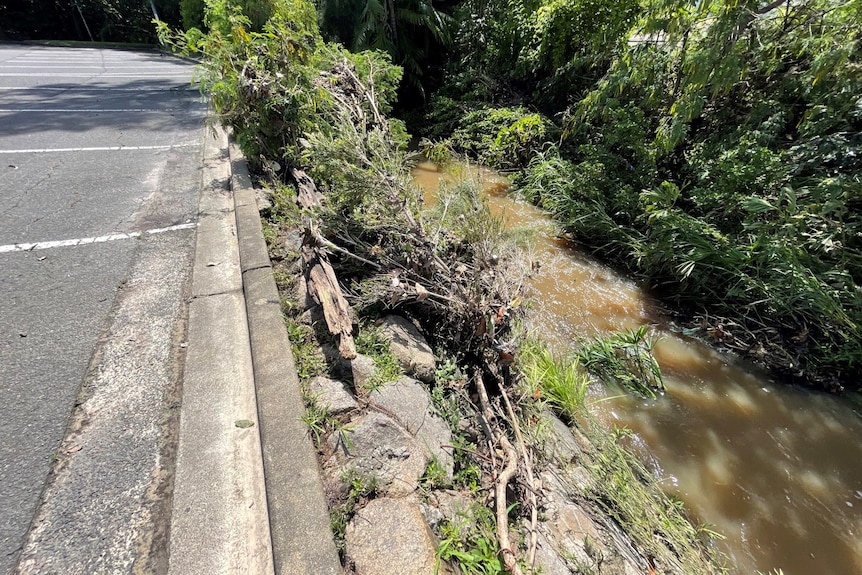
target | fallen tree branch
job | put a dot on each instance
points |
(378, 118)
(528, 462)
(324, 289)
(328, 244)
(307, 195)
(502, 482)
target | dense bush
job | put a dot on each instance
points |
(712, 148)
(501, 137)
(270, 87)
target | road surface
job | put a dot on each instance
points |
(100, 156)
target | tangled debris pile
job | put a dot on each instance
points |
(366, 253)
(462, 292)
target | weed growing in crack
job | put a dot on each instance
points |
(359, 488)
(309, 361)
(470, 543)
(435, 476)
(315, 417)
(371, 342)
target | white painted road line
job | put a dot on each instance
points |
(86, 241)
(105, 149)
(79, 110)
(71, 66)
(157, 75)
(98, 88)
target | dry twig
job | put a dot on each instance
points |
(528, 463)
(509, 558)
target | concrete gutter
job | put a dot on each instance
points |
(219, 522)
(299, 519)
(248, 495)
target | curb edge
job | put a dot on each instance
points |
(302, 540)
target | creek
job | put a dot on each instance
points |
(775, 469)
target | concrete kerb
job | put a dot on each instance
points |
(219, 523)
(299, 521)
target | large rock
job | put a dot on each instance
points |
(571, 533)
(562, 444)
(362, 369)
(410, 402)
(376, 446)
(332, 394)
(413, 353)
(548, 559)
(390, 537)
(293, 241)
(575, 533)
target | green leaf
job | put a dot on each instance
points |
(755, 205)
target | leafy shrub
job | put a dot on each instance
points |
(502, 137)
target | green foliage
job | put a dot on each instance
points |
(712, 148)
(501, 137)
(435, 476)
(407, 30)
(193, 12)
(452, 404)
(556, 49)
(566, 29)
(464, 214)
(316, 417)
(720, 158)
(274, 87)
(471, 545)
(558, 380)
(218, 14)
(260, 84)
(309, 361)
(624, 358)
(579, 195)
(371, 342)
(359, 488)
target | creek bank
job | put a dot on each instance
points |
(365, 250)
(394, 478)
(393, 436)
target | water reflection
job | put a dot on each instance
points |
(776, 469)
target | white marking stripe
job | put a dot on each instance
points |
(105, 149)
(79, 110)
(94, 88)
(59, 74)
(73, 66)
(87, 241)
(96, 65)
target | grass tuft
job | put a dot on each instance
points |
(371, 342)
(559, 381)
(626, 358)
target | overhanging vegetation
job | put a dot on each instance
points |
(711, 148)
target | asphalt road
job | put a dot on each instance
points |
(100, 156)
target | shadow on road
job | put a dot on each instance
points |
(171, 105)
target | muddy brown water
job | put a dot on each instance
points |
(775, 469)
